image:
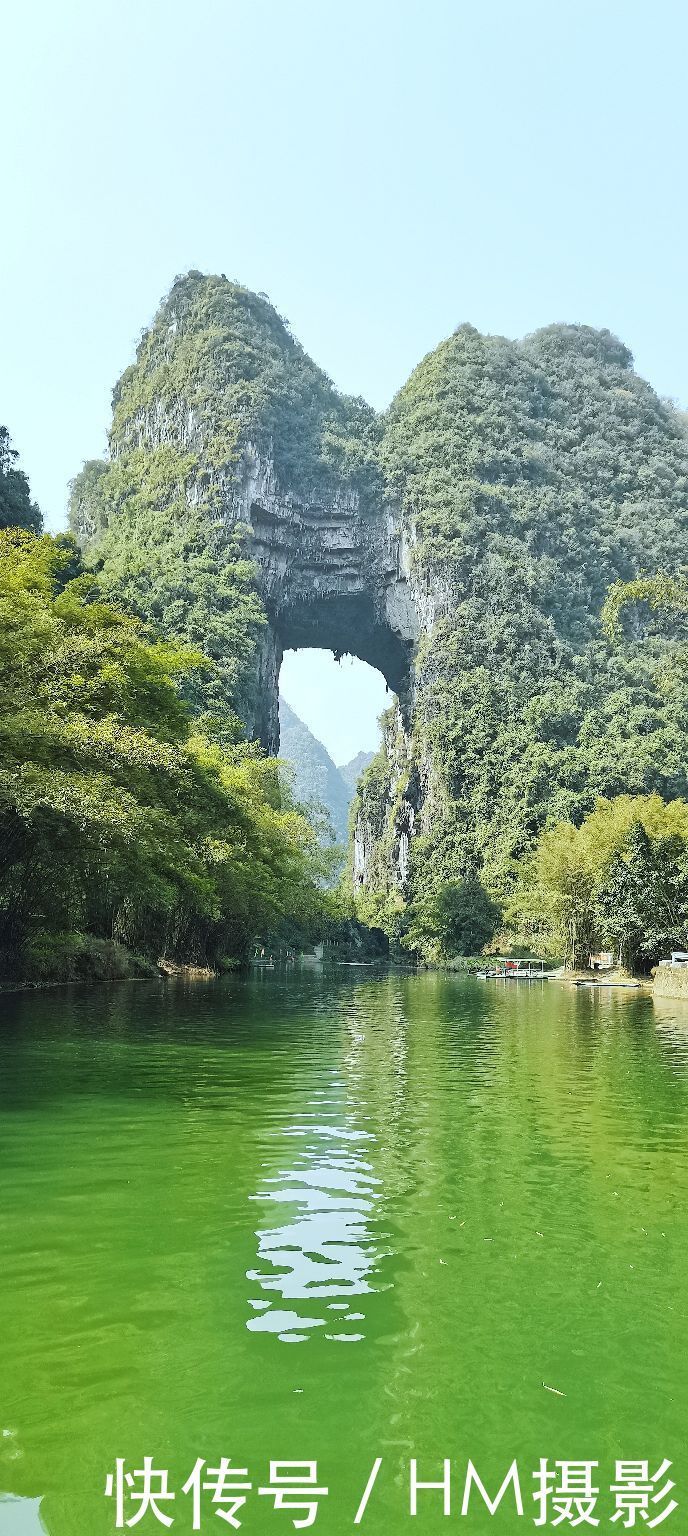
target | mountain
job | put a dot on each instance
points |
(351, 772)
(532, 476)
(316, 778)
(463, 542)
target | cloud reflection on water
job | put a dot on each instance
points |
(324, 1252)
(20, 1517)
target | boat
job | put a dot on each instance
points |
(530, 968)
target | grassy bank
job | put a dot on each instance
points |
(56, 959)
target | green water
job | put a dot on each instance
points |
(335, 1218)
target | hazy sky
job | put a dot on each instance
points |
(383, 169)
(340, 701)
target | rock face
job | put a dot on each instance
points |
(223, 417)
(331, 575)
(389, 805)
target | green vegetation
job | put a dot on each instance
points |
(16, 507)
(660, 595)
(121, 824)
(217, 372)
(457, 919)
(317, 782)
(172, 562)
(377, 813)
(538, 481)
(537, 475)
(619, 881)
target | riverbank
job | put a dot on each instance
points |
(78, 958)
(473, 965)
(57, 960)
(615, 978)
(90, 962)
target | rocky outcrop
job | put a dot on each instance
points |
(463, 544)
(224, 415)
(387, 809)
(331, 574)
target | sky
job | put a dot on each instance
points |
(382, 169)
(339, 701)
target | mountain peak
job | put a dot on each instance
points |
(316, 777)
(351, 772)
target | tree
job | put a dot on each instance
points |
(17, 510)
(642, 900)
(619, 878)
(459, 918)
(118, 818)
(660, 595)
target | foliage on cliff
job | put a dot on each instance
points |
(456, 919)
(118, 819)
(379, 821)
(217, 373)
(617, 881)
(649, 605)
(534, 476)
(17, 510)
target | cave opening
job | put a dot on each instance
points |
(339, 699)
(329, 711)
(349, 628)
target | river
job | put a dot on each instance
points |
(335, 1217)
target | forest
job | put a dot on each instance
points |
(543, 489)
(128, 834)
(543, 479)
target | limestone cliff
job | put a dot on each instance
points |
(224, 418)
(462, 543)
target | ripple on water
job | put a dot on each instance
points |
(481, 1190)
(326, 1247)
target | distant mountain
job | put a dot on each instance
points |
(315, 775)
(351, 772)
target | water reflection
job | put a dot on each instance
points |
(508, 1167)
(20, 1517)
(318, 1246)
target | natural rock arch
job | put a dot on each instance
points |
(525, 477)
(331, 575)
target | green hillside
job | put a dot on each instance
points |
(534, 475)
(351, 772)
(317, 781)
(529, 476)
